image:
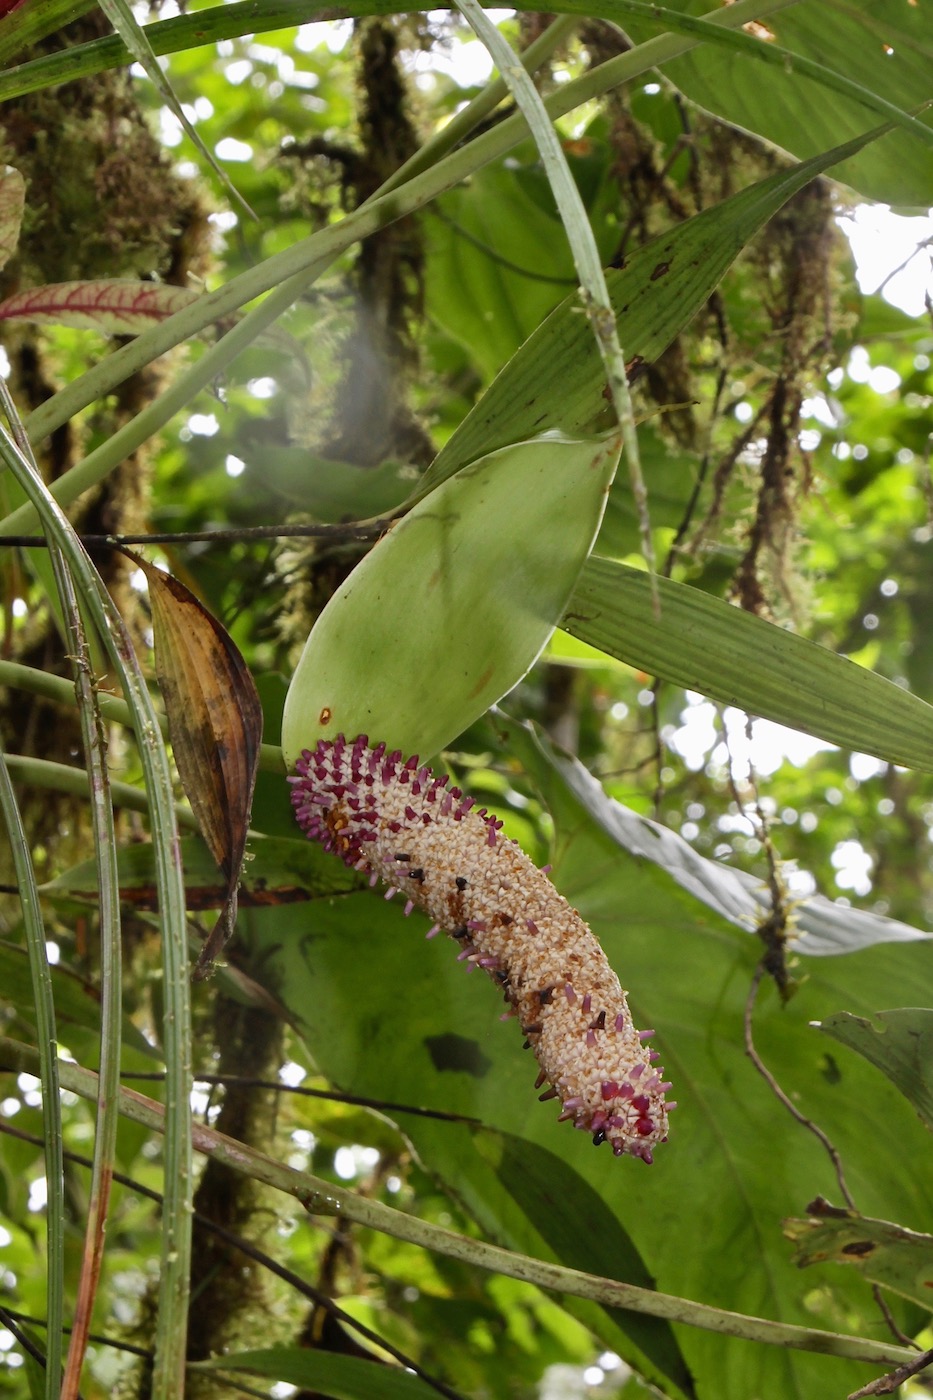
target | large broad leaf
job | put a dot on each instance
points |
(278, 870)
(818, 927)
(498, 256)
(886, 48)
(702, 643)
(574, 1224)
(899, 1042)
(437, 1043)
(453, 605)
(556, 379)
(389, 1016)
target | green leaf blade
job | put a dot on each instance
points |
(704, 644)
(457, 601)
(899, 1043)
(555, 381)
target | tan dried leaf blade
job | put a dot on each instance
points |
(12, 201)
(215, 725)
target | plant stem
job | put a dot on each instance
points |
(174, 1277)
(321, 1197)
(118, 711)
(62, 777)
(47, 1066)
(594, 294)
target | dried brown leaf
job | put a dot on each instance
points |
(12, 200)
(215, 725)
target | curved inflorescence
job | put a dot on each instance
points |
(396, 820)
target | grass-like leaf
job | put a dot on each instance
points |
(120, 15)
(703, 644)
(174, 1280)
(47, 1040)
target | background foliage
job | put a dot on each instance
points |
(750, 885)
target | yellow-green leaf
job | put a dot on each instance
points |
(453, 605)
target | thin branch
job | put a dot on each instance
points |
(24, 1340)
(352, 530)
(699, 483)
(884, 1385)
(895, 272)
(773, 930)
(498, 258)
(773, 933)
(780, 1095)
(320, 1197)
(357, 1100)
(891, 1322)
(99, 1338)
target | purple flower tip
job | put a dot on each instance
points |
(392, 818)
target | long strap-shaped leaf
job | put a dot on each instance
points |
(555, 379)
(231, 21)
(174, 1280)
(705, 644)
(121, 16)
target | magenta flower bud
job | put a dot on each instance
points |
(393, 819)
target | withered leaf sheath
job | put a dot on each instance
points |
(395, 819)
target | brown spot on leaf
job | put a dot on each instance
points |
(860, 1248)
